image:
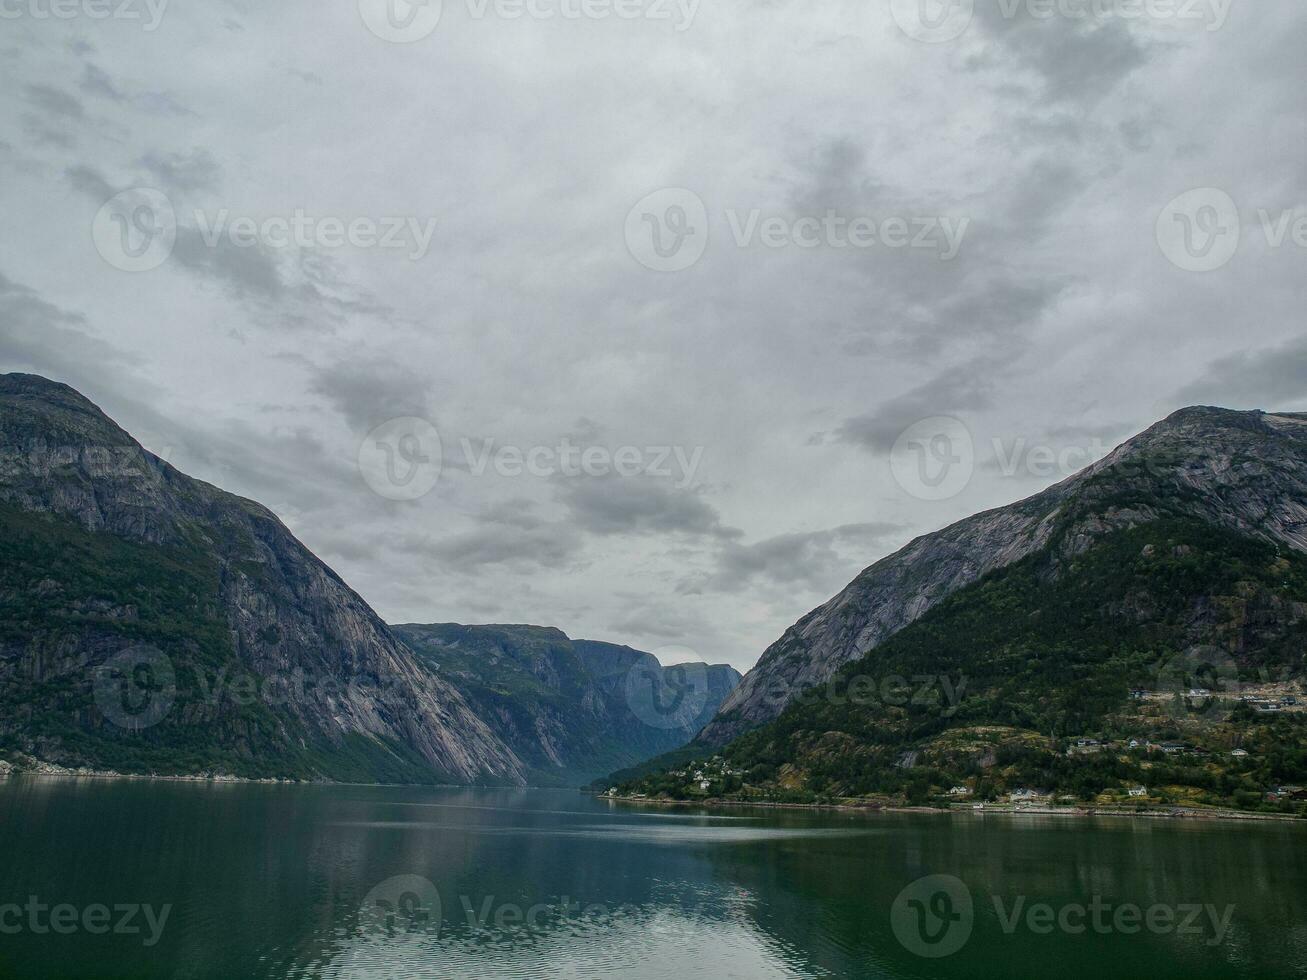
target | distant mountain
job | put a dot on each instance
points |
(153, 623)
(1158, 597)
(571, 709)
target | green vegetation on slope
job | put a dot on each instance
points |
(1003, 679)
(69, 598)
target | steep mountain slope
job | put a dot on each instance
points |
(570, 709)
(151, 622)
(1244, 471)
(1140, 626)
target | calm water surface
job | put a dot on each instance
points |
(308, 881)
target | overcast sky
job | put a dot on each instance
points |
(620, 260)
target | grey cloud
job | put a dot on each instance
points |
(968, 387)
(90, 182)
(1077, 60)
(96, 81)
(546, 546)
(1272, 378)
(193, 171)
(628, 505)
(44, 132)
(813, 559)
(41, 337)
(54, 102)
(249, 273)
(368, 390)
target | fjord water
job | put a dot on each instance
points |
(294, 881)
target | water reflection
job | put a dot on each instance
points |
(296, 881)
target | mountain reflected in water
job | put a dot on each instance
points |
(357, 881)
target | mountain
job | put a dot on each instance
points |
(571, 709)
(1158, 597)
(1244, 471)
(150, 622)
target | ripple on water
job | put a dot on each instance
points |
(642, 944)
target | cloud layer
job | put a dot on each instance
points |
(784, 374)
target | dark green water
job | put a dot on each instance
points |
(294, 881)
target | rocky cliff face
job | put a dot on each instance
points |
(571, 709)
(1241, 471)
(261, 660)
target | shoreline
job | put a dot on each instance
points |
(1004, 809)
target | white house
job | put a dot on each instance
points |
(1139, 791)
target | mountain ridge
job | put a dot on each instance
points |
(73, 481)
(897, 590)
(571, 709)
